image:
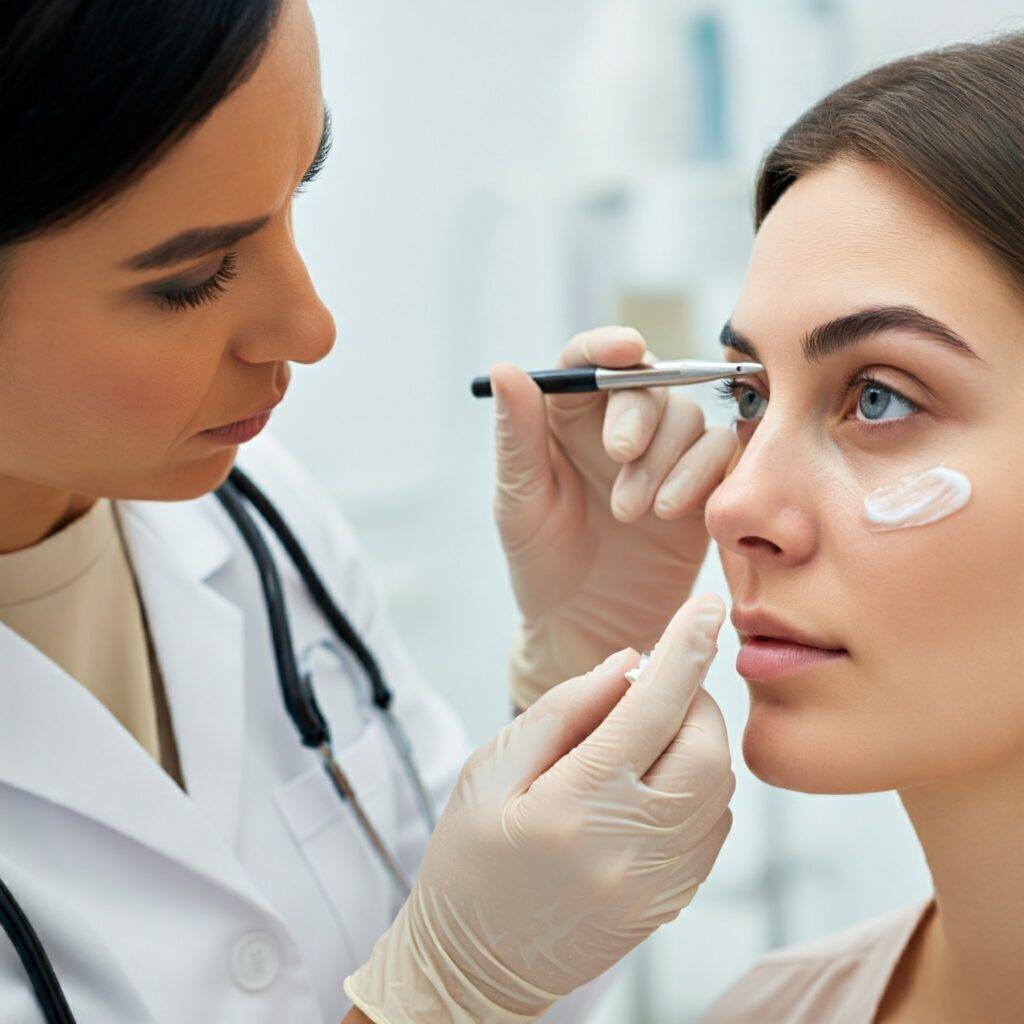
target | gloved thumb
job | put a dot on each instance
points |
(525, 475)
(562, 718)
(645, 722)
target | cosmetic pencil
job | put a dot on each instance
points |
(657, 375)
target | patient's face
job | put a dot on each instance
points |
(923, 625)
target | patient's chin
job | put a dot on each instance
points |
(794, 748)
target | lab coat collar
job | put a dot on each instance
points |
(199, 640)
(192, 530)
(59, 743)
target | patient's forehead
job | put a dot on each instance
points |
(851, 235)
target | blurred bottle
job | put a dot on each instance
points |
(626, 90)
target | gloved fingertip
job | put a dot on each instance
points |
(627, 654)
(708, 615)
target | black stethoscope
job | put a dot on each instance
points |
(299, 700)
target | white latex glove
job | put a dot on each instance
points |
(600, 506)
(588, 822)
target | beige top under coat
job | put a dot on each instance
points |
(838, 980)
(73, 596)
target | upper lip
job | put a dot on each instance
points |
(756, 623)
(265, 407)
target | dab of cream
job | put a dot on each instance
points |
(917, 499)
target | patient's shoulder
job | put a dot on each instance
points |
(839, 979)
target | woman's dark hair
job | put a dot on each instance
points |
(92, 92)
(952, 120)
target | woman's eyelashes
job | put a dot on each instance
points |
(748, 403)
(867, 400)
(179, 297)
(877, 402)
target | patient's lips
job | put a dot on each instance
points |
(772, 650)
(917, 499)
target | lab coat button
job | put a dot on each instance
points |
(255, 961)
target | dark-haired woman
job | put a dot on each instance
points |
(169, 849)
(871, 526)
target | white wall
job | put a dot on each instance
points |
(491, 191)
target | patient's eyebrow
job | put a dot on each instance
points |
(836, 335)
(731, 338)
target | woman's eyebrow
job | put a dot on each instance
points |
(197, 242)
(828, 338)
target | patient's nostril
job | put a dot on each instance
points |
(752, 543)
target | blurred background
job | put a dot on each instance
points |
(503, 176)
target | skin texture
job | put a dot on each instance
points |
(928, 699)
(102, 391)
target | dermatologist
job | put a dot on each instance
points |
(219, 773)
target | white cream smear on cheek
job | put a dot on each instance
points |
(917, 499)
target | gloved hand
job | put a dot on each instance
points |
(589, 821)
(600, 507)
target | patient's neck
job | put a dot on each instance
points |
(31, 512)
(972, 830)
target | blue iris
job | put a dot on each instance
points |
(750, 405)
(879, 403)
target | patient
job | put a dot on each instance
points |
(871, 525)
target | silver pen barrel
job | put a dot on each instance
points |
(680, 371)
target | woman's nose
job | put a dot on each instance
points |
(288, 321)
(762, 511)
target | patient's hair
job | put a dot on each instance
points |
(92, 92)
(952, 120)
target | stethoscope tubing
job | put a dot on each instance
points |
(297, 690)
(32, 954)
(345, 632)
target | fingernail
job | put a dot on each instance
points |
(627, 431)
(631, 492)
(708, 617)
(499, 404)
(674, 493)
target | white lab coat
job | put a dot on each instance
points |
(249, 898)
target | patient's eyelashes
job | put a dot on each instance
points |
(748, 403)
(867, 400)
(878, 402)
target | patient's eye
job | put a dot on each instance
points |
(748, 403)
(877, 402)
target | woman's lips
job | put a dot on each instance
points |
(240, 431)
(764, 658)
(772, 649)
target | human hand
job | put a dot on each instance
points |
(600, 507)
(588, 822)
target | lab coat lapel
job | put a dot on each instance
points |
(58, 742)
(199, 640)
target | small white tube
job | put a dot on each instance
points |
(634, 673)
